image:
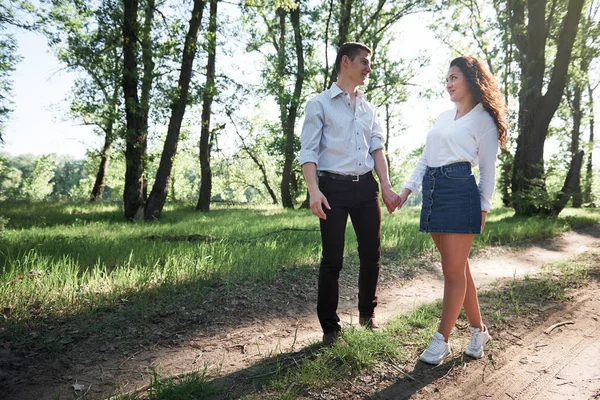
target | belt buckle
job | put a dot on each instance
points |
(356, 179)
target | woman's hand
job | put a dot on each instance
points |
(403, 196)
(483, 216)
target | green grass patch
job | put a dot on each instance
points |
(81, 268)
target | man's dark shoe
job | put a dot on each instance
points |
(368, 322)
(330, 338)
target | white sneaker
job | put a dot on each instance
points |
(436, 352)
(477, 343)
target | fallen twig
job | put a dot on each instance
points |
(551, 328)
(402, 372)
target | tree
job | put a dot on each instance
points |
(136, 106)
(290, 110)
(89, 40)
(160, 188)
(253, 153)
(284, 45)
(39, 184)
(207, 99)
(531, 24)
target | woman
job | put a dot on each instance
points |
(454, 206)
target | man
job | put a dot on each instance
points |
(342, 142)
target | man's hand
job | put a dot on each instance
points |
(390, 199)
(317, 201)
(403, 197)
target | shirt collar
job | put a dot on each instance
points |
(335, 91)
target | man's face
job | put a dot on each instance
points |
(358, 70)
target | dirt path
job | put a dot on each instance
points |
(224, 348)
(522, 362)
(564, 364)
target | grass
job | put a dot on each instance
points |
(67, 259)
(69, 272)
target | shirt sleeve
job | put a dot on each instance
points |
(488, 150)
(312, 131)
(377, 135)
(416, 179)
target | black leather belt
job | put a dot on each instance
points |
(351, 178)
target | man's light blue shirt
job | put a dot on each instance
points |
(338, 138)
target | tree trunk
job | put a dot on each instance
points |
(290, 137)
(207, 99)
(103, 168)
(326, 69)
(158, 195)
(570, 186)
(343, 29)
(536, 110)
(135, 137)
(589, 171)
(109, 134)
(575, 134)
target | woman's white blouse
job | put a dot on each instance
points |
(472, 138)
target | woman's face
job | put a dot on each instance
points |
(457, 86)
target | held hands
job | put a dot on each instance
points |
(317, 201)
(390, 199)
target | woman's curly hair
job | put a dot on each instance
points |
(484, 90)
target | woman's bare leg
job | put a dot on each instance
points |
(471, 302)
(454, 249)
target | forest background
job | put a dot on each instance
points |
(203, 101)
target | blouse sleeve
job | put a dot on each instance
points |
(415, 180)
(488, 150)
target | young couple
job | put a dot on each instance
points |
(342, 143)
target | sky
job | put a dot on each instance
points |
(37, 124)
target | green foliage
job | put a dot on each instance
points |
(39, 184)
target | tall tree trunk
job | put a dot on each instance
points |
(290, 137)
(326, 69)
(103, 168)
(589, 171)
(109, 134)
(571, 182)
(343, 29)
(536, 110)
(575, 134)
(158, 195)
(135, 137)
(207, 99)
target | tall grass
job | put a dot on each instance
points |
(62, 259)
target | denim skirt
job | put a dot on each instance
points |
(451, 202)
